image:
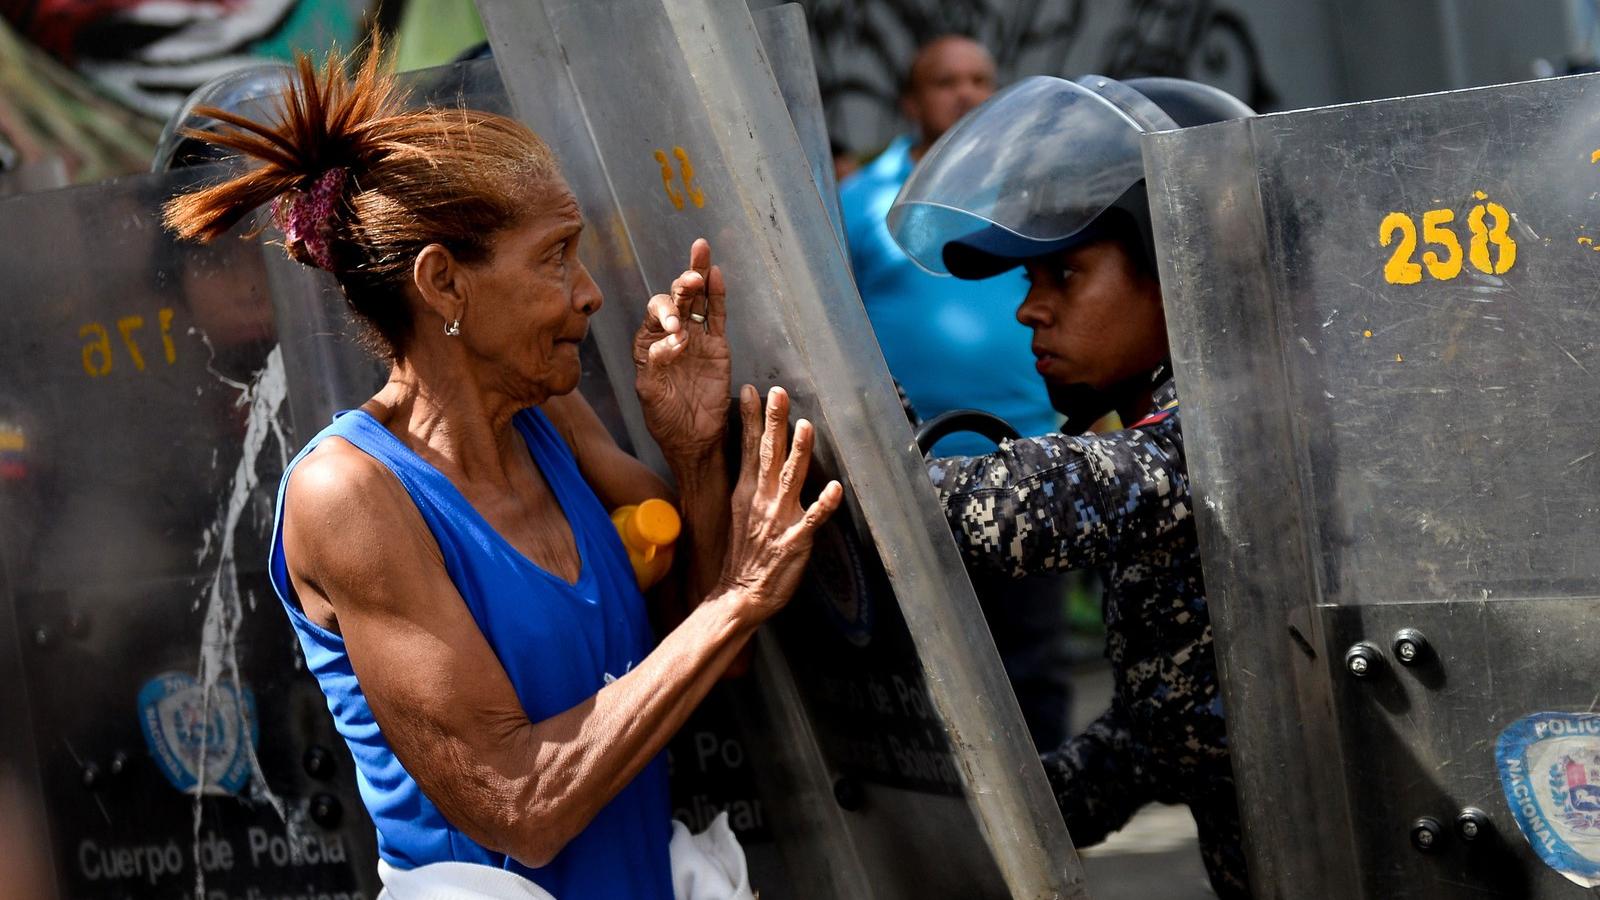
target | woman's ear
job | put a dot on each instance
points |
(441, 282)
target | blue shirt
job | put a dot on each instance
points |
(559, 643)
(951, 343)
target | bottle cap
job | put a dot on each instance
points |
(657, 522)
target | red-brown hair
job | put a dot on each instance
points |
(432, 175)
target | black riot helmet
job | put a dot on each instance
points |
(1035, 169)
(1042, 166)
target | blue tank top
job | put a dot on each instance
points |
(559, 643)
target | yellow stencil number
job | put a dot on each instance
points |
(1445, 262)
(1483, 236)
(96, 353)
(686, 169)
(98, 359)
(171, 350)
(666, 179)
(126, 326)
(1435, 234)
(1400, 269)
(691, 192)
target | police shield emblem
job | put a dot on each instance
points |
(1549, 765)
(202, 740)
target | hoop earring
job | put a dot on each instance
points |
(454, 328)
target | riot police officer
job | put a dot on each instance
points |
(1047, 175)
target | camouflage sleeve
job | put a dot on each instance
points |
(1056, 502)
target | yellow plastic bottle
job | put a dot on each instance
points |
(649, 531)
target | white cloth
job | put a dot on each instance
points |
(705, 866)
(709, 865)
(456, 881)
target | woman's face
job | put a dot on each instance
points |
(531, 299)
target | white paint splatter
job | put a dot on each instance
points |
(223, 599)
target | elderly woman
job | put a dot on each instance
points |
(444, 551)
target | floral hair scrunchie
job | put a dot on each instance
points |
(308, 216)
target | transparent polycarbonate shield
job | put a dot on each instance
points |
(1387, 347)
(889, 748)
(175, 739)
(1035, 164)
(150, 394)
(251, 91)
(787, 41)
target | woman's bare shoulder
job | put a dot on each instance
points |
(340, 491)
(336, 470)
(351, 533)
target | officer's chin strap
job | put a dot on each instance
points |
(1085, 404)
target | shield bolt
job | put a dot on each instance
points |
(1410, 647)
(848, 793)
(318, 762)
(1426, 834)
(1363, 659)
(326, 811)
(1472, 823)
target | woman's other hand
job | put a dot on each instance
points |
(682, 365)
(770, 535)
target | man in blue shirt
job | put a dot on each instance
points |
(955, 344)
(946, 350)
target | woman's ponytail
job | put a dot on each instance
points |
(325, 136)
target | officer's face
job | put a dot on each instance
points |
(1096, 319)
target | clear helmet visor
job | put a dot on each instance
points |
(254, 92)
(1020, 175)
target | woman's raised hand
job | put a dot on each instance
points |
(770, 535)
(681, 361)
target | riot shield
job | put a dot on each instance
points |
(1387, 347)
(879, 706)
(153, 391)
(787, 42)
(162, 735)
(165, 727)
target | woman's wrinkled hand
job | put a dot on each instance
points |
(770, 535)
(682, 365)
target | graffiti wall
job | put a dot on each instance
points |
(1275, 54)
(862, 48)
(150, 54)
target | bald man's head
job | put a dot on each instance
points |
(949, 76)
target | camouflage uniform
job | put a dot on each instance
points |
(1120, 503)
